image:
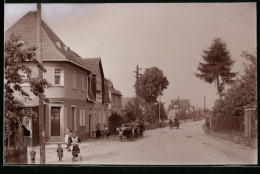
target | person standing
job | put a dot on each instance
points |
(98, 133)
(67, 136)
(106, 131)
(121, 134)
(60, 152)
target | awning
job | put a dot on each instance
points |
(27, 102)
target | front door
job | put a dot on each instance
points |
(55, 121)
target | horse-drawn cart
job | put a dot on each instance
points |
(132, 130)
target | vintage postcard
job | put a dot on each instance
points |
(130, 84)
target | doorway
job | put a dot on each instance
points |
(55, 121)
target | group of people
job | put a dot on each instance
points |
(71, 140)
(102, 131)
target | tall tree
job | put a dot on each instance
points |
(142, 111)
(149, 83)
(242, 93)
(16, 72)
(163, 115)
(217, 66)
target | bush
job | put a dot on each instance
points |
(114, 121)
(228, 112)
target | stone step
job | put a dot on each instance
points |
(56, 140)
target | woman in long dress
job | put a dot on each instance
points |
(67, 136)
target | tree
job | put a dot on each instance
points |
(130, 110)
(149, 83)
(163, 115)
(16, 72)
(249, 79)
(217, 66)
(242, 93)
(143, 110)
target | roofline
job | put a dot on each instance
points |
(65, 60)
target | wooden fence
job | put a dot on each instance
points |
(15, 155)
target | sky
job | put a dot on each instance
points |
(170, 36)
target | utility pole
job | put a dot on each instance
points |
(178, 101)
(137, 90)
(160, 93)
(40, 75)
(204, 104)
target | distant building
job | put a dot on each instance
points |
(178, 105)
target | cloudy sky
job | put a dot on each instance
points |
(169, 36)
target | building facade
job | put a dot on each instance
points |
(115, 96)
(76, 98)
(177, 106)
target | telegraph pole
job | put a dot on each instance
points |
(160, 93)
(204, 104)
(137, 89)
(178, 108)
(40, 75)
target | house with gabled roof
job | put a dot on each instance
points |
(115, 96)
(77, 98)
(177, 106)
(100, 114)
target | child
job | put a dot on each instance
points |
(75, 150)
(60, 152)
(74, 140)
(121, 134)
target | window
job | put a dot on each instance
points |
(114, 101)
(82, 117)
(74, 80)
(104, 117)
(83, 83)
(90, 84)
(100, 120)
(58, 76)
(98, 84)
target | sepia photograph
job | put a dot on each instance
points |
(130, 84)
